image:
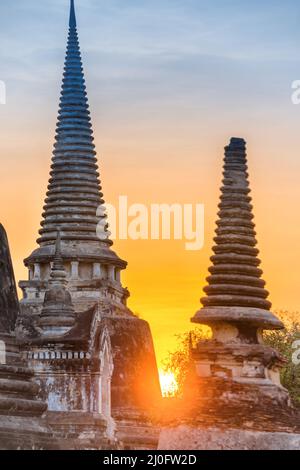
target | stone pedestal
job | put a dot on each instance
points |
(135, 429)
(81, 431)
(196, 438)
(224, 414)
(236, 350)
(73, 375)
(22, 416)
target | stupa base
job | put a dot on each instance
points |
(220, 414)
(186, 437)
(26, 433)
(80, 430)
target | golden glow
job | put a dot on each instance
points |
(168, 383)
(165, 281)
(160, 128)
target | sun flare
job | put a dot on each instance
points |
(168, 383)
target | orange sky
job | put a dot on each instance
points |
(164, 103)
(164, 279)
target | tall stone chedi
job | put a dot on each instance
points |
(235, 399)
(73, 200)
(22, 422)
(74, 206)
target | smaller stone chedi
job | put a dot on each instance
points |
(22, 415)
(73, 365)
(235, 399)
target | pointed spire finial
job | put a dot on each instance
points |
(58, 314)
(72, 22)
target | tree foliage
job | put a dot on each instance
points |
(178, 361)
(283, 341)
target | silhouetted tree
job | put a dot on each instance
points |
(283, 341)
(178, 361)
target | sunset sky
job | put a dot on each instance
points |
(169, 82)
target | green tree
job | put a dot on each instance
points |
(283, 341)
(178, 361)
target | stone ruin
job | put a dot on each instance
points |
(73, 364)
(22, 415)
(233, 397)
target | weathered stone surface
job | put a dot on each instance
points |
(68, 370)
(135, 428)
(58, 314)
(255, 317)
(221, 413)
(235, 278)
(135, 382)
(26, 433)
(22, 425)
(9, 305)
(73, 372)
(135, 377)
(197, 438)
(82, 431)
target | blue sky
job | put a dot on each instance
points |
(171, 73)
(145, 54)
(145, 50)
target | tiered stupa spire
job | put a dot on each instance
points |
(74, 204)
(235, 286)
(74, 191)
(233, 398)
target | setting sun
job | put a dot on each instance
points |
(168, 383)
